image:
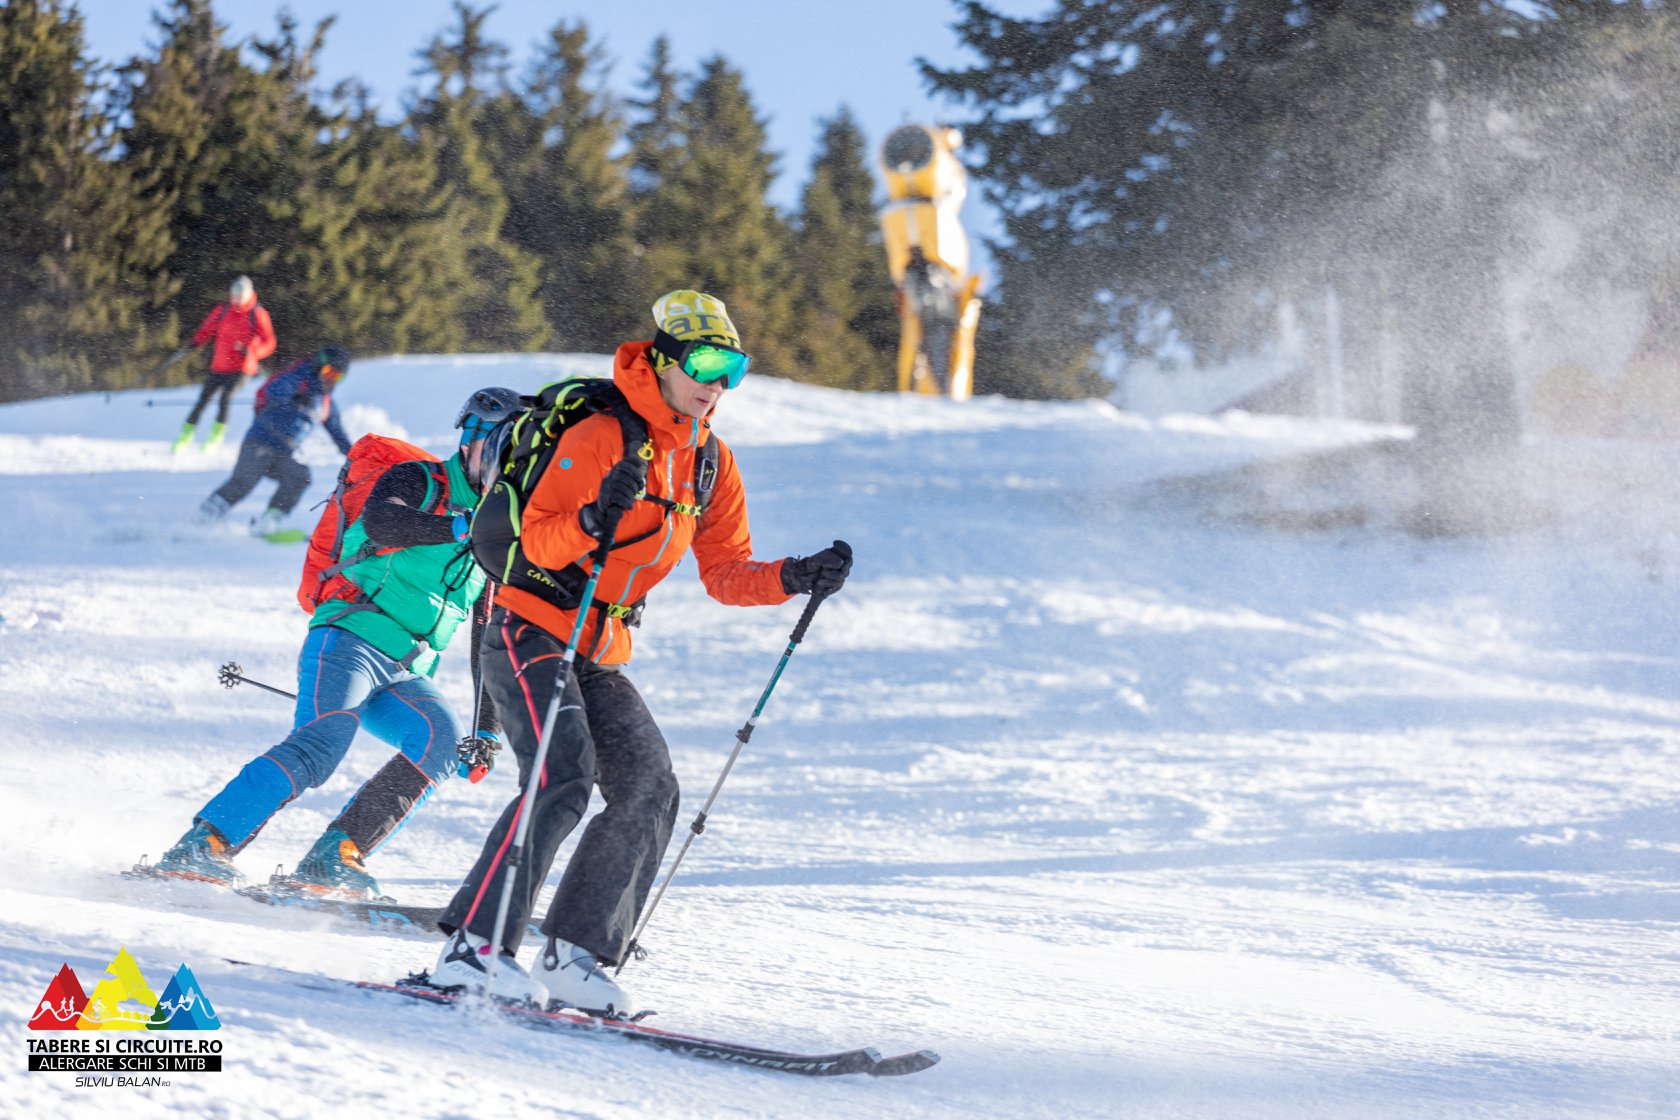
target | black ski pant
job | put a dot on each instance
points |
(225, 384)
(602, 736)
(257, 461)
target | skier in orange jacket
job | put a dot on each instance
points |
(604, 734)
(243, 335)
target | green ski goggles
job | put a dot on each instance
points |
(706, 362)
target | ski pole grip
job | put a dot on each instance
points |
(608, 532)
(805, 617)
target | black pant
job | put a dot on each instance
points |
(223, 383)
(603, 735)
(257, 461)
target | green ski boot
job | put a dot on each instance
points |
(217, 431)
(201, 854)
(334, 867)
(183, 439)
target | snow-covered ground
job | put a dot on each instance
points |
(1126, 809)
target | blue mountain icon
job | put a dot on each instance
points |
(182, 1006)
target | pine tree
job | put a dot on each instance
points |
(501, 311)
(391, 273)
(847, 334)
(75, 244)
(569, 194)
(655, 136)
(719, 232)
(656, 144)
(1194, 163)
(296, 206)
(199, 143)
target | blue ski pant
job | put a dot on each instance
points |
(343, 683)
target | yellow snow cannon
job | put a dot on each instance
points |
(938, 298)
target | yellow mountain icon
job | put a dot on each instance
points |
(121, 1001)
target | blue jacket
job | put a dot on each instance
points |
(289, 405)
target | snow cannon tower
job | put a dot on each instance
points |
(927, 251)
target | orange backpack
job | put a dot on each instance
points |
(369, 458)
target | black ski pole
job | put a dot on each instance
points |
(475, 751)
(699, 824)
(169, 361)
(231, 674)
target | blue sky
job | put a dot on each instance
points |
(801, 59)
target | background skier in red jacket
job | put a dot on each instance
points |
(241, 335)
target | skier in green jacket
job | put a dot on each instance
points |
(407, 583)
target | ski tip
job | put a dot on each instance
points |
(900, 1064)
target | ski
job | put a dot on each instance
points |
(862, 1060)
(865, 1060)
(380, 915)
(384, 916)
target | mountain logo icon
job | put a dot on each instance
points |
(123, 1001)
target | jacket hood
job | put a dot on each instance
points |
(634, 376)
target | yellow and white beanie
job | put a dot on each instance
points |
(686, 314)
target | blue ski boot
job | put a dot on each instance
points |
(201, 854)
(334, 867)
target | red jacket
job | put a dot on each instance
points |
(721, 543)
(244, 337)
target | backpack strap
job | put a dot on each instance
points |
(531, 443)
(705, 473)
(436, 476)
(705, 479)
(337, 500)
(421, 646)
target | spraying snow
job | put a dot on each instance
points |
(1125, 803)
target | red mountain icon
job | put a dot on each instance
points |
(61, 1005)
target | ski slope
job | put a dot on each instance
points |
(1125, 807)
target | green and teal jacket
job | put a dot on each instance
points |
(412, 599)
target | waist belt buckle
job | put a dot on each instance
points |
(630, 615)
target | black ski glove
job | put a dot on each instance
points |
(619, 490)
(822, 574)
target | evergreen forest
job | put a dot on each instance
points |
(502, 212)
(1172, 175)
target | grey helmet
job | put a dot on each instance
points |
(482, 418)
(488, 407)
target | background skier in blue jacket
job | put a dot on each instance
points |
(288, 407)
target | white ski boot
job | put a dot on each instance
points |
(572, 975)
(212, 509)
(268, 522)
(461, 965)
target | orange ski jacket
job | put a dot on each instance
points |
(552, 537)
(244, 336)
